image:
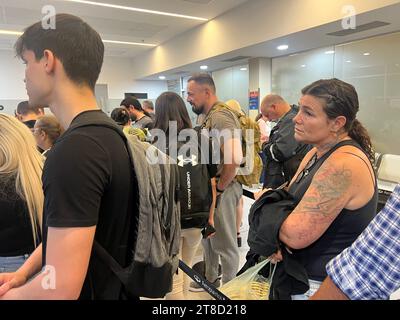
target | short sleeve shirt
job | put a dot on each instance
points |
(88, 181)
(226, 123)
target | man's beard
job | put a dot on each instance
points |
(198, 110)
(132, 117)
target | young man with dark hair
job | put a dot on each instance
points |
(28, 114)
(88, 182)
(141, 118)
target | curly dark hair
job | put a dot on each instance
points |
(120, 116)
(341, 99)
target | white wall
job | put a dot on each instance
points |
(12, 86)
(117, 73)
(233, 83)
(11, 76)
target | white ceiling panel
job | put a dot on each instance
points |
(117, 24)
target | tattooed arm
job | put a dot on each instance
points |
(331, 189)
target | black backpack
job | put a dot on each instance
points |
(195, 174)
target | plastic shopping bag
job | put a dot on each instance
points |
(250, 285)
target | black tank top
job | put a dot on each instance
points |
(16, 236)
(342, 232)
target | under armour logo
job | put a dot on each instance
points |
(184, 161)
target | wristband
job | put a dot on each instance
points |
(218, 190)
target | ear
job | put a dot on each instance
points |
(338, 123)
(49, 60)
(207, 91)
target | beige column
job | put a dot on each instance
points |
(260, 79)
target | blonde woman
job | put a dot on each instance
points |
(46, 131)
(21, 196)
(234, 104)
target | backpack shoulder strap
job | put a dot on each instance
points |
(96, 119)
(217, 107)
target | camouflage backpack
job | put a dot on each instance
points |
(252, 165)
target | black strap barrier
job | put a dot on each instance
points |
(248, 194)
(206, 285)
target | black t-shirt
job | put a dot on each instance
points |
(87, 181)
(16, 237)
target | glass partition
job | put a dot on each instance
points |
(371, 65)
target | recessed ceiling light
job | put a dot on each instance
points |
(243, 69)
(348, 61)
(161, 77)
(283, 47)
(303, 65)
(203, 67)
(330, 52)
(130, 43)
(366, 54)
(163, 13)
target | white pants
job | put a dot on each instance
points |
(190, 240)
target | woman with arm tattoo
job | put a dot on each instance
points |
(335, 183)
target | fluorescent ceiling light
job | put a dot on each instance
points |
(283, 47)
(330, 52)
(11, 32)
(161, 77)
(18, 33)
(114, 6)
(243, 69)
(130, 43)
(203, 67)
(366, 54)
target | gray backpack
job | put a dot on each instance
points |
(156, 245)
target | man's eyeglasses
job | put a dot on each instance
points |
(306, 170)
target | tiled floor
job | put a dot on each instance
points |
(244, 229)
(242, 250)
